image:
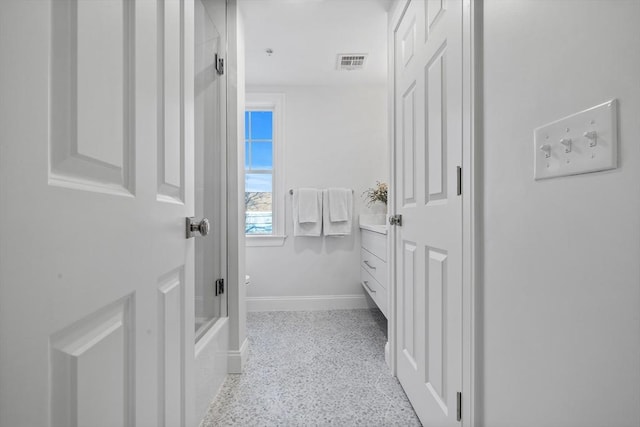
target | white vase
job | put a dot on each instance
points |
(378, 208)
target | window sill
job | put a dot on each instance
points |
(265, 240)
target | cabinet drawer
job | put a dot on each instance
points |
(377, 293)
(374, 266)
(375, 243)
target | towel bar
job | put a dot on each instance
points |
(291, 191)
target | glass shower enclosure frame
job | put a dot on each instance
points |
(210, 164)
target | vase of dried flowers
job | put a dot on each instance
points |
(376, 197)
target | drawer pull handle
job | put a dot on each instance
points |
(366, 285)
(369, 265)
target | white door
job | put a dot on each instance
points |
(96, 179)
(428, 151)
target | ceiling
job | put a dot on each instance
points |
(307, 35)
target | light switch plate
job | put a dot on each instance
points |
(581, 143)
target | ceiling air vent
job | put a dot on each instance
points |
(351, 61)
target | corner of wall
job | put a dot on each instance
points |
(238, 358)
(235, 180)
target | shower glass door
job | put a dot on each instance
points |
(210, 156)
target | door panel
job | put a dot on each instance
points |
(171, 341)
(408, 146)
(91, 144)
(91, 368)
(428, 143)
(436, 322)
(435, 11)
(408, 43)
(171, 134)
(96, 276)
(436, 119)
(409, 302)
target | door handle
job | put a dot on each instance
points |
(369, 265)
(202, 227)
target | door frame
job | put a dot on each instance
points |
(471, 197)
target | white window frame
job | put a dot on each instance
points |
(273, 102)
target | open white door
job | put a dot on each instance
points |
(96, 179)
(428, 151)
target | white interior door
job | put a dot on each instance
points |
(428, 151)
(96, 179)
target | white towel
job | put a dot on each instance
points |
(339, 204)
(308, 205)
(336, 228)
(306, 228)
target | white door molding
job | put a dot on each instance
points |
(471, 205)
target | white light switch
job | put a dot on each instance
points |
(583, 142)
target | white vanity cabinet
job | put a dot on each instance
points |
(373, 264)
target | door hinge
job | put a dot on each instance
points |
(219, 287)
(459, 172)
(396, 220)
(459, 406)
(219, 63)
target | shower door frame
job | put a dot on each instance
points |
(219, 221)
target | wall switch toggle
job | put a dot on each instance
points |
(546, 148)
(567, 144)
(592, 136)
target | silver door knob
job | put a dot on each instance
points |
(193, 226)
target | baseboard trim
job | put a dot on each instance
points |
(236, 358)
(308, 303)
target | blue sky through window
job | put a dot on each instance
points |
(261, 124)
(258, 150)
(261, 155)
(258, 182)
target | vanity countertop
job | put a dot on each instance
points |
(376, 228)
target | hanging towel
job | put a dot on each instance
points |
(336, 228)
(339, 204)
(308, 205)
(307, 228)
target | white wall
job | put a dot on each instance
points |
(334, 137)
(562, 257)
(235, 288)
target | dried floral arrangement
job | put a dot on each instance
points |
(377, 193)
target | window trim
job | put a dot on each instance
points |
(274, 102)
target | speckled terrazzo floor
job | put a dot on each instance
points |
(318, 368)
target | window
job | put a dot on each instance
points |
(258, 163)
(264, 192)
